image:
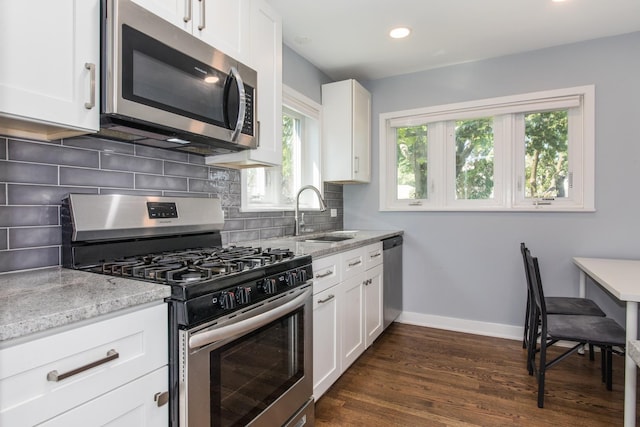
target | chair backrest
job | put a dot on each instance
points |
(524, 250)
(535, 286)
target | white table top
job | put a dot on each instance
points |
(621, 277)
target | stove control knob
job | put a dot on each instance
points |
(227, 300)
(243, 295)
(291, 278)
(302, 275)
(269, 286)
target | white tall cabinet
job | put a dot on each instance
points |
(346, 132)
(347, 311)
(49, 68)
(265, 32)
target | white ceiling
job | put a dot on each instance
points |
(348, 38)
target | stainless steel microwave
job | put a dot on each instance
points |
(163, 87)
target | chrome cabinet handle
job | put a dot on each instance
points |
(327, 299)
(187, 10)
(92, 85)
(161, 398)
(203, 22)
(243, 103)
(55, 376)
(357, 162)
(328, 273)
(376, 255)
(353, 264)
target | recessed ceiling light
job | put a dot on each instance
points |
(399, 32)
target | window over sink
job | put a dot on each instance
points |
(275, 188)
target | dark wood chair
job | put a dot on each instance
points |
(598, 331)
(556, 305)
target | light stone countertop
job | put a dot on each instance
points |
(319, 250)
(39, 300)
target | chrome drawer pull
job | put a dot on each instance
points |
(55, 376)
(353, 264)
(376, 255)
(328, 273)
(329, 298)
(161, 398)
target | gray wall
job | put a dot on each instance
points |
(301, 75)
(467, 265)
(35, 176)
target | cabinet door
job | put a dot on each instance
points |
(265, 31)
(44, 76)
(223, 24)
(361, 134)
(178, 12)
(326, 340)
(373, 308)
(352, 317)
(132, 405)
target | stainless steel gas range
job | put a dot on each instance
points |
(240, 327)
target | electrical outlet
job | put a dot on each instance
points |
(334, 213)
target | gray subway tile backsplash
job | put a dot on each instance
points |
(28, 172)
(122, 162)
(40, 153)
(34, 237)
(35, 176)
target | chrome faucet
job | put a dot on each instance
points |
(323, 206)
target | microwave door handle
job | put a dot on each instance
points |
(242, 104)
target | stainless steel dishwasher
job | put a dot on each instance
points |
(392, 278)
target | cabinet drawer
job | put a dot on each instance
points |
(28, 389)
(131, 405)
(326, 273)
(373, 255)
(353, 263)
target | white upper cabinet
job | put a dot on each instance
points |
(222, 24)
(346, 132)
(49, 69)
(265, 32)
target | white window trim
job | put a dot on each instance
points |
(509, 169)
(304, 105)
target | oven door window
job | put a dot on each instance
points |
(250, 373)
(161, 77)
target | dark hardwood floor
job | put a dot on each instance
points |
(416, 376)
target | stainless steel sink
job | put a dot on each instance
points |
(327, 238)
(333, 236)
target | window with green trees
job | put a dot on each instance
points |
(523, 152)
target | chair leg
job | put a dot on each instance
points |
(525, 336)
(603, 364)
(542, 371)
(609, 369)
(532, 341)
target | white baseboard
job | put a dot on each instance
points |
(462, 325)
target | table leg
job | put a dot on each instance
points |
(583, 284)
(630, 367)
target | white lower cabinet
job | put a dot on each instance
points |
(326, 348)
(347, 311)
(112, 371)
(131, 405)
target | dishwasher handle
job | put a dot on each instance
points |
(391, 242)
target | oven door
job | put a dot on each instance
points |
(251, 368)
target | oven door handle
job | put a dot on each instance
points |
(207, 337)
